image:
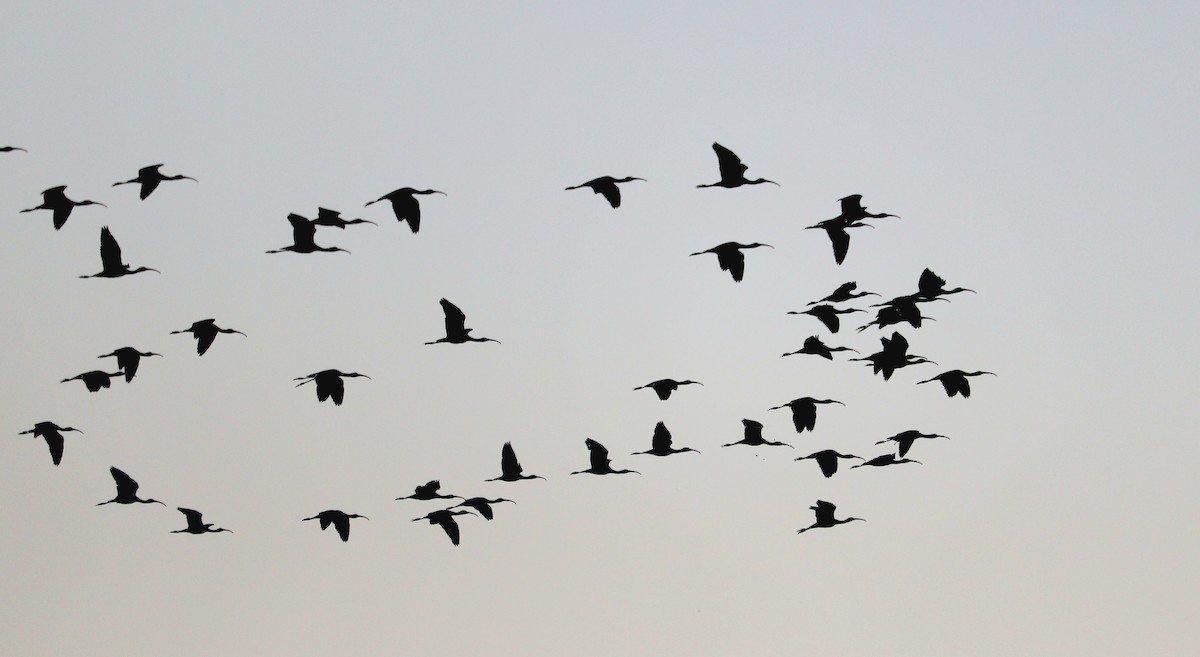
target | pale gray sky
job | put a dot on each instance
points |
(1044, 156)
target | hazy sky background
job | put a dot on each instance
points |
(1045, 156)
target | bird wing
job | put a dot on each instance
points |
(852, 206)
(303, 230)
(611, 193)
(509, 465)
(126, 486)
(661, 442)
(824, 511)
(598, 454)
(127, 361)
(204, 339)
(149, 184)
(61, 214)
(732, 261)
(337, 390)
(840, 240)
(110, 251)
(930, 283)
(407, 208)
(804, 416)
(54, 441)
(730, 164)
(456, 320)
(448, 523)
(342, 524)
(194, 517)
(827, 460)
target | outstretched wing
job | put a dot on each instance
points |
(852, 206)
(456, 320)
(840, 240)
(194, 517)
(126, 486)
(54, 441)
(598, 454)
(110, 251)
(509, 465)
(303, 230)
(731, 165)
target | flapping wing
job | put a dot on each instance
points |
(126, 486)
(732, 261)
(110, 251)
(731, 165)
(509, 465)
(456, 320)
(661, 442)
(598, 454)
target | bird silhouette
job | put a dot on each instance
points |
(835, 229)
(9, 149)
(405, 205)
(445, 519)
(52, 434)
(600, 463)
(660, 443)
(814, 347)
(664, 387)
(825, 519)
(55, 199)
(893, 356)
(884, 460)
(804, 411)
(128, 359)
(303, 234)
(196, 524)
(844, 292)
(607, 185)
(828, 315)
(482, 504)
(827, 460)
(205, 331)
(127, 490)
(730, 257)
(510, 467)
(752, 435)
(149, 178)
(339, 519)
(853, 210)
(110, 259)
(899, 310)
(733, 172)
(429, 491)
(327, 217)
(456, 326)
(955, 382)
(329, 384)
(95, 379)
(931, 286)
(905, 439)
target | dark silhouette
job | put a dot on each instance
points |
(804, 411)
(110, 259)
(429, 491)
(838, 237)
(510, 467)
(825, 517)
(445, 519)
(814, 347)
(52, 434)
(607, 185)
(905, 439)
(9, 149)
(853, 210)
(827, 314)
(752, 435)
(205, 331)
(339, 519)
(303, 234)
(456, 326)
(660, 443)
(955, 382)
(931, 286)
(884, 460)
(329, 384)
(600, 463)
(845, 292)
(730, 257)
(55, 199)
(733, 172)
(482, 504)
(95, 379)
(893, 356)
(827, 460)
(196, 524)
(128, 360)
(664, 387)
(405, 205)
(127, 490)
(149, 178)
(327, 217)
(897, 311)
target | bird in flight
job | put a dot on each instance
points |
(482, 504)
(733, 172)
(456, 326)
(196, 524)
(893, 356)
(804, 411)
(9, 149)
(339, 519)
(205, 331)
(827, 460)
(149, 178)
(445, 519)
(900, 310)
(664, 387)
(752, 435)
(844, 292)
(510, 467)
(955, 382)
(128, 360)
(329, 384)
(304, 233)
(405, 205)
(660, 443)
(600, 463)
(607, 186)
(730, 257)
(55, 199)
(905, 439)
(127, 490)
(828, 315)
(429, 491)
(814, 347)
(111, 263)
(52, 434)
(853, 210)
(825, 519)
(835, 229)
(95, 379)
(327, 217)
(884, 460)
(931, 286)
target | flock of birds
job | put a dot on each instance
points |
(330, 385)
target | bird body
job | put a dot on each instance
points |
(95, 379)
(52, 434)
(339, 519)
(600, 463)
(304, 233)
(510, 467)
(733, 172)
(128, 359)
(730, 257)
(955, 382)
(664, 387)
(825, 519)
(205, 331)
(149, 179)
(804, 411)
(827, 460)
(55, 199)
(456, 326)
(110, 258)
(196, 524)
(127, 490)
(405, 205)
(607, 186)
(752, 435)
(329, 384)
(660, 443)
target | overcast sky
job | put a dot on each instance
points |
(1044, 156)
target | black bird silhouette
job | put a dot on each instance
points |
(825, 517)
(752, 435)
(429, 491)
(883, 460)
(329, 384)
(405, 205)
(128, 359)
(664, 387)
(339, 519)
(95, 379)
(931, 286)
(127, 490)
(327, 217)
(9, 149)
(853, 210)
(456, 326)
(827, 314)
(607, 185)
(510, 467)
(445, 519)
(482, 504)
(899, 310)
(55, 199)
(303, 234)
(845, 292)
(730, 257)
(804, 411)
(205, 331)
(835, 229)
(813, 346)
(955, 382)
(52, 434)
(110, 259)
(196, 524)
(149, 178)
(905, 439)
(893, 356)
(600, 463)
(660, 443)
(733, 172)
(827, 460)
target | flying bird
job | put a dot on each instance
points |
(827, 460)
(456, 326)
(835, 229)
(128, 359)
(112, 266)
(510, 467)
(481, 504)
(600, 463)
(853, 210)
(814, 347)
(95, 379)
(955, 382)
(329, 384)
(733, 172)
(899, 310)
(844, 292)
(828, 315)
(55, 199)
(52, 434)
(339, 519)
(429, 491)
(205, 331)
(660, 443)
(804, 411)
(9, 149)
(149, 178)
(893, 356)
(905, 439)
(931, 286)
(303, 235)
(664, 387)
(445, 519)
(825, 517)
(327, 217)
(730, 257)
(127, 490)
(405, 205)
(752, 435)
(607, 185)
(884, 460)
(196, 524)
